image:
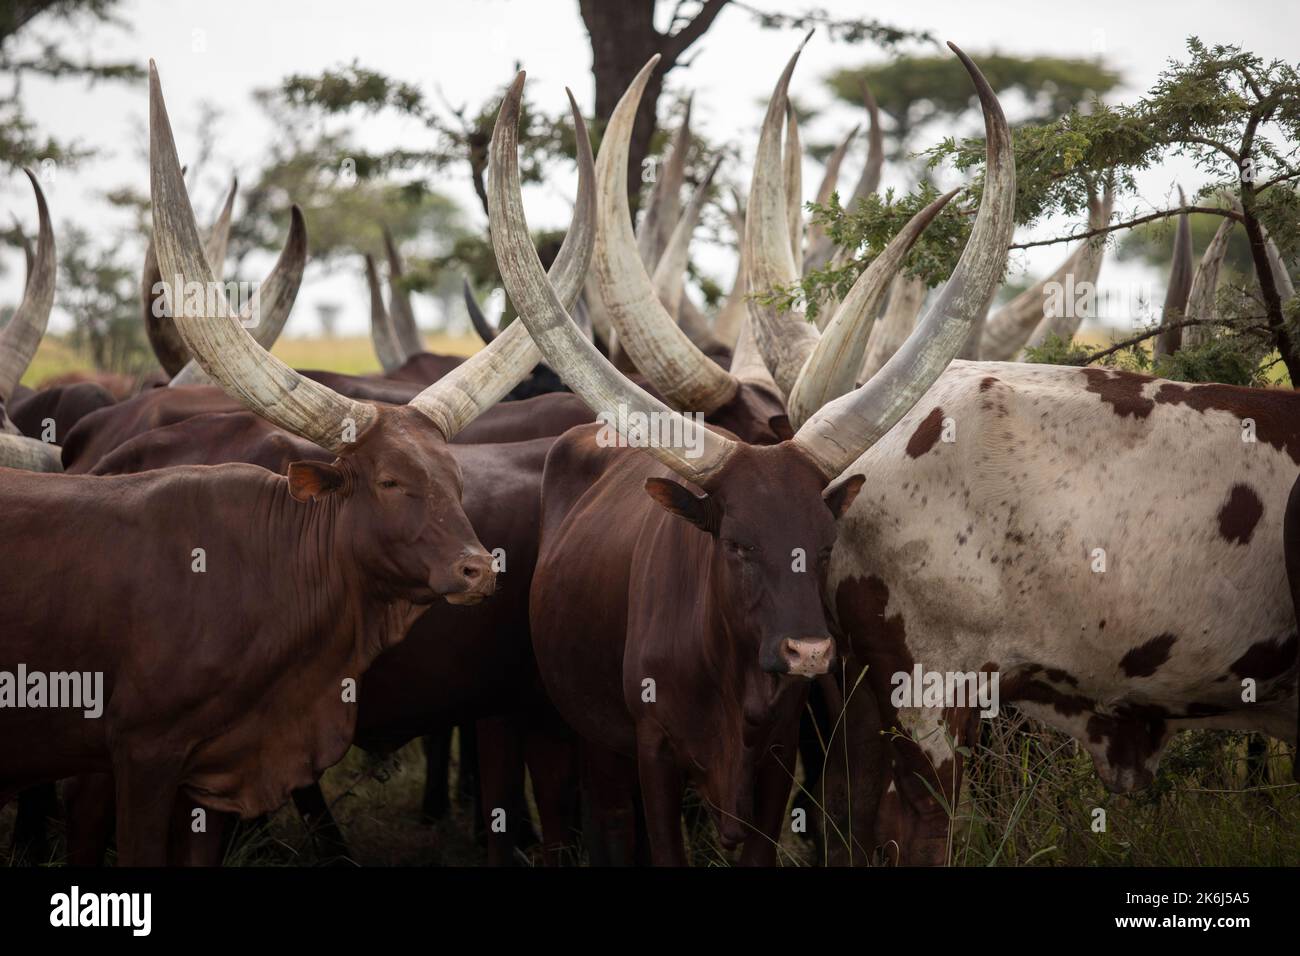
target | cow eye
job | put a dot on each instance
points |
(388, 483)
(739, 549)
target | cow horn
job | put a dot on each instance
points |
(29, 454)
(485, 377)
(268, 311)
(1170, 341)
(227, 352)
(833, 367)
(670, 274)
(792, 167)
(21, 337)
(382, 333)
(685, 376)
(476, 317)
(567, 350)
(840, 432)
(166, 342)
(726, 327)
(400, 312)
(785, 340)
(817, 236)
(1200, 301)
(663, 210)
(869, 181)
(219, 238)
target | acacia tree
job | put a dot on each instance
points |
(1235, 115)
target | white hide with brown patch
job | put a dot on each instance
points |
(986, 545)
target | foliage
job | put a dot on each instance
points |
(101, 295)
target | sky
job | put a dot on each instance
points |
(464, 51)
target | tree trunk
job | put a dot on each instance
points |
(1286, 346)
(623, 37)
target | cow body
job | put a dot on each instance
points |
(51, 413)
(628, 593)
(1120, 598)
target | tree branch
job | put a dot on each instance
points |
(1149, 334)
(675, 44)
(1165, 214)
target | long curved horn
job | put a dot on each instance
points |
(840, 432)
(785, 339)
(227, 352)
(664, 208)
(166, 342)
(382, 334)
(1180, 284)
(726, 327)
(1200, 301)
(485, 377)
(1018, 323)
(29, 454)
(218, 240)
(869, 181)
(1063, 323)
(567, 351)
(476, 317)
(685, 376)
(792, 166)
(906, 296)
(747, 362)
(21, 337)
(817, 235)
(1285, 285)
(268, 311)
(399, 303)
(670, 274)
(833, 367)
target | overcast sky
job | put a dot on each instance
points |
(467, 49)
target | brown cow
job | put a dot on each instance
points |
(299, 584)
(673, 629)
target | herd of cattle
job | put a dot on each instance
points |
(258, 567)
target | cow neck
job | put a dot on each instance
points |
(329, 592)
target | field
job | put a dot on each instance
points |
(353, 355)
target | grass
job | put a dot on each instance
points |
(354, 355)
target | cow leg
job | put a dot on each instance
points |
(609, 784)
(661, 794)
(88, 807)
(815, 725)
(913, 823)
(552, 758)
(467, 785)
(437, 775)
(501, 775)
(771, 794)
(147, 782)
(321, 825)
(206, 847)
(853, 774)
(31, 837)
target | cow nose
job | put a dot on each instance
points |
(807, 656)
(479, 579)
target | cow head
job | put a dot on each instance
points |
(772, 531)
(397, 494)
(393, 494)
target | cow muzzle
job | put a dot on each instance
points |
(475, 574)
(806, 656)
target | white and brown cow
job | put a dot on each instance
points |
(1109, 544)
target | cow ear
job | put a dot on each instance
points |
(781, 427)
(841, 496)
(701, 511)
(309, 480)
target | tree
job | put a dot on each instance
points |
(21, 143)
(1236, 116)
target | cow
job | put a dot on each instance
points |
(676, 631)
(285, 587)
(1005, 533)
